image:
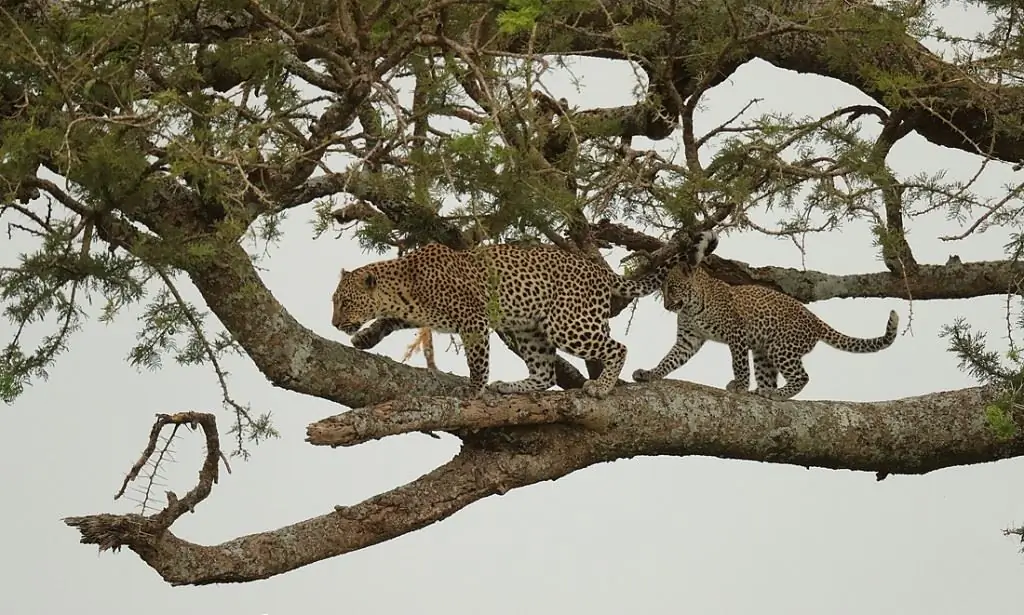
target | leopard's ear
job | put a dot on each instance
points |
(370, 281)
(342, 274)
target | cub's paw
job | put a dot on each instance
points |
(596, 390)
(735, 386)
(364, 339)
(772, 394)
(643, 375)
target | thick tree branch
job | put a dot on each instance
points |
(908, 436)
(293, 357)
(432, 414)
(951, 281)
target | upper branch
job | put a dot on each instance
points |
(954, 280)
(832, 38)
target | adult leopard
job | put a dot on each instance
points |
(547, 298)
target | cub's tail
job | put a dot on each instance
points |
(700, 245)
(836, 339)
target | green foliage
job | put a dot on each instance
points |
(643, 35)
(166, 320)
(1005, 371)
(521, 15)
(1001, 422)
(48, 286)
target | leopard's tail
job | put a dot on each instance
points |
(694, 253)
(838, 340)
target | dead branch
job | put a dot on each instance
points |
(208, 473)
(115, 531)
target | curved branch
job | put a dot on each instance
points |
(295, 358)
(907, 436)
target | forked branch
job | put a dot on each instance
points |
(115, 531)
(908, 436)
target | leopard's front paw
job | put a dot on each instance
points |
(771, 394)
(643, 375)
(597, 390)
(364, 339)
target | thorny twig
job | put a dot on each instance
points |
(208, 474)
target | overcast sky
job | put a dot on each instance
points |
(647, 534)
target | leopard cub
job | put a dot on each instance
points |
(777, 328)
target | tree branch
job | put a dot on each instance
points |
(293, 357)
(908, 436)
(957, 109)
(954, 280)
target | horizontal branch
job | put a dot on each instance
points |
(951, 281)
(954, 280)
(907, 436)
(410, 414)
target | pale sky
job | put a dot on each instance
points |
(648, 534)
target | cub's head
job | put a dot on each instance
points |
(675, 291)
(355, 300)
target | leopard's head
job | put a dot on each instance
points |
(677, 290)
(355, 300)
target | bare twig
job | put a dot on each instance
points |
(208, 474)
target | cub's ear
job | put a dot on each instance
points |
(370, 281)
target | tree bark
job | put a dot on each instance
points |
(558, 433)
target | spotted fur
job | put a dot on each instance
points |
(546, 298)
(777, 328)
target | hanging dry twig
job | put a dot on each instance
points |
(114, 531)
